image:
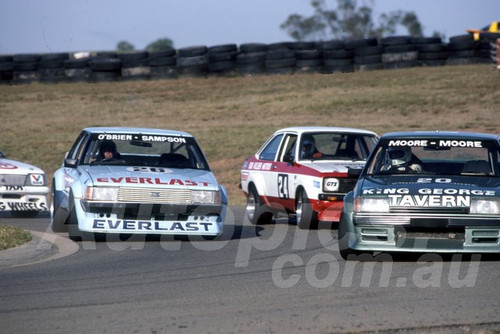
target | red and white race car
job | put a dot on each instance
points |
(304, 171)
(23, 188)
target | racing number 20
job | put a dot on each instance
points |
(283, 186)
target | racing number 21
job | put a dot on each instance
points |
(283, 186)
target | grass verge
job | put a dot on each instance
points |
(12, 237)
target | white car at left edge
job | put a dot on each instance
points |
(23, 188)
(123, 181)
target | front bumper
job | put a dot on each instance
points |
(30, 199)
(151, 218)
(421, 233)
(329, 207)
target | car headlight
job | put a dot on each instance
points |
(35, 180)
(330, 184)
(205, 196)
(101, 194)
(370, 204)
(486, 207)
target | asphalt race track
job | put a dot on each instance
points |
(255, 279)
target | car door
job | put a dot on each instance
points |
(278, 177)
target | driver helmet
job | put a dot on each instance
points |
(308, 147)
(400, 155)
(107, 146)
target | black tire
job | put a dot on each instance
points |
(162, 61)
(192, 61)
(338, 54)
(395, 40)
(72, 222)
(105, 64)
(399, 57)
(192, 51)
(224, 48)
(307, 218)
(365, 51)
(253, 47)
(330, 45)
(432, 47)
(161, 53)
(356, 43)
(256, 211)
(58, 216)
(343, 240)
(368, 60)
(338, 62)
(308, 54)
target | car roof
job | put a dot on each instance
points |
(441, 134)
(136, 130)
(302, 129)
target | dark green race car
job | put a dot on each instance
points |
(436, 192)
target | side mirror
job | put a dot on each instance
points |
(288, 158)
(70, 163)
(354, 172)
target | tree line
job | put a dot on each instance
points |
(348, 20)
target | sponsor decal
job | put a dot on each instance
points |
(429, 200)
(430, 191)
(137, 169)
(149, 138)
(283, 186)
(434, 143)
(13, 188)
(142, 225)
(428, 197)
(259, 165)
(6, 165)
(36, 180)
(23, 206)
(150, 180)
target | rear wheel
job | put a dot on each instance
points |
(307, 218)
(257, 212)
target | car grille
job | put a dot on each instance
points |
(153, 195)
(12, 180)
(434, 210)
(346, 185)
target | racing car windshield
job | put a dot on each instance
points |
(144, 150)
(335, 146)
(435, 156)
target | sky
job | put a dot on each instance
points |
(45, 26)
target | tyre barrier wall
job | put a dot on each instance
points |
(249, 59)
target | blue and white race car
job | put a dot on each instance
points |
(23, 188)
(429, 191)
(136, 181)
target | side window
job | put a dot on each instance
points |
(75, 151)
(288, 146)
(271, 149)
(370, 142)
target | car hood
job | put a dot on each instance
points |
(8, 166)
(333, 166)
(425, 185)
(126, 176)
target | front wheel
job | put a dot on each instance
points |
(343, 240)
(257, 212)
(58, 215)
(307, 218)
